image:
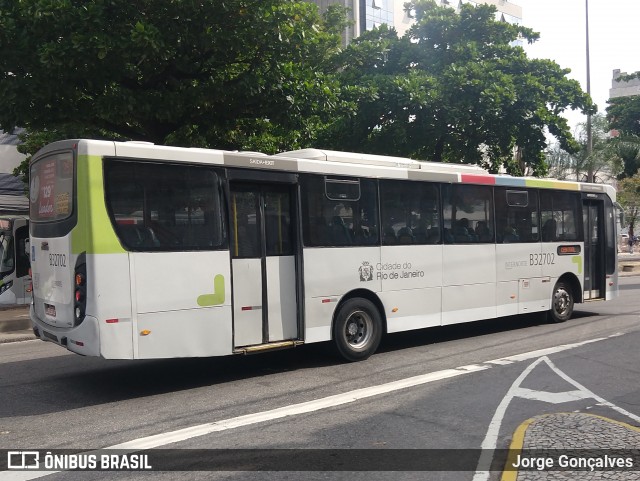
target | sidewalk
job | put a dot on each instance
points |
(15, 324)
(576, 435)
(628, 264)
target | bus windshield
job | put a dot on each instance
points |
(7, 260)
(51, 190)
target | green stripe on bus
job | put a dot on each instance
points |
(552, 184)
(94, 233)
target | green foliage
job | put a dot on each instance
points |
(610, 157)
(270, 75)
(623, 114)
(604, 161)
(629, 198)
(454, 89)
(629, 152)
(237, 74)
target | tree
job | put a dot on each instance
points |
(560, 163)
(629, 198)
(629, 152)
(612, 156)
(454, 89)
(238, 74)
(623, 114)
(604, 162)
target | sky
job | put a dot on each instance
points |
(614, 40)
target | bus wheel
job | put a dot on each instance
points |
(357, 329)
(561, 302)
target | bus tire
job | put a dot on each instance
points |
(561, 302)
(357, 329)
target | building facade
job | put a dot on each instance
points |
(369, 14)
(623, 88)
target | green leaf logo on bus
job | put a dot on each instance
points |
(577, 260)
(217, 297)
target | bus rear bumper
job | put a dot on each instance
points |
(83, 339)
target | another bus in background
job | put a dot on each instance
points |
(15, 281)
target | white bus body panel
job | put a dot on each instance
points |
(165, 292)
(469, 283)
(110, 299)
(53, 266)
(329, 273)
(555, 265)
(281, 298)
(411, 286)
(520, 286)
(198, 332)
(247, 301)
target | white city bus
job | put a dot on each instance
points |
(15, 281)
(142, 251)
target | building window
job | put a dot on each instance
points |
(376, 13)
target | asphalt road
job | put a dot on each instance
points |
(445, 388)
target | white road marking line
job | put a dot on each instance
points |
(545, 352)
(491, 438)
(602, 401)
(551, 397)
(490, 441)
(179, 435)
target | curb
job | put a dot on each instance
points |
(17, 307)
(15, 325)
(17, 336)
(588, 431)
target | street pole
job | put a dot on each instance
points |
(589, 137)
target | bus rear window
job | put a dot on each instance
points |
(51, 189)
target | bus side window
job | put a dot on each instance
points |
(409, 212)
(560, 219)
(22, 251)
(339, 211)
(467, 210)
(516, 215)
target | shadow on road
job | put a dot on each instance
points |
(68, 382)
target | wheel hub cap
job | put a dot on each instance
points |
(352, 329)
(562, 301)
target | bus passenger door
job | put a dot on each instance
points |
(594, 248)
(23, 279)
(263, 263)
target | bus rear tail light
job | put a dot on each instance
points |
(80, 289)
